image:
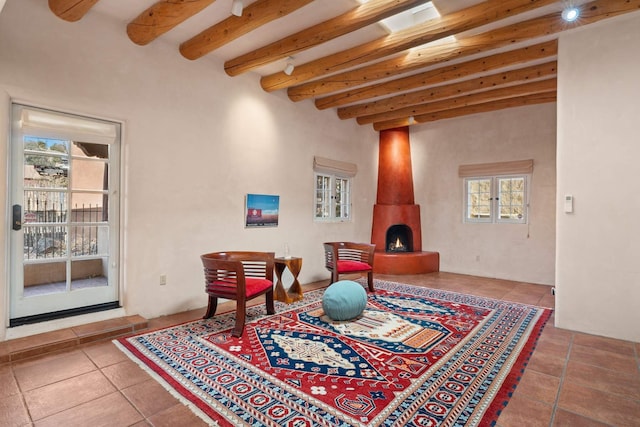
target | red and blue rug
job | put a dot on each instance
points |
(416, 356)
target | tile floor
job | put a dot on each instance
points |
(573, 379)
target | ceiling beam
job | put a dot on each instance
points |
(501, 104)
(162, 17)
(253, 16)
(435, 93)
(540, 86)
(415, 59)
(359, 17)
(511, 58)
(71, 10)
(432, 30)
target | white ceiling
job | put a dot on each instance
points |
(317, 11)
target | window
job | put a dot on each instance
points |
(332, 189)
(500, 199)
(333, 198)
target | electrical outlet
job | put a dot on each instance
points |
(163, 279)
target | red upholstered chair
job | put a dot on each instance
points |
(349, 257)
(239, 276)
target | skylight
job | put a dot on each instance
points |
(411, 17)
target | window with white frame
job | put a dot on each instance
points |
(497, 199)
(333, 198)
(332, 189)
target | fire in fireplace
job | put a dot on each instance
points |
(399, 239)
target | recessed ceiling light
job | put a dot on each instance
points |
(570, 14)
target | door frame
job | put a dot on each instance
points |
(116, 265)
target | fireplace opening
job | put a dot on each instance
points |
(399, 239)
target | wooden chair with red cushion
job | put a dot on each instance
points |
(239, 276)
(349, 257)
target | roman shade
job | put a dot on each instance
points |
(335, 167)
(517, 167)
(42, 123)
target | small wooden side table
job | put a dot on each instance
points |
(295, 291)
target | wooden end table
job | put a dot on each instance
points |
(295, 291)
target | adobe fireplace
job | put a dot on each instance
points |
(396, 229)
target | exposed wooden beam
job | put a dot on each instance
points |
(359, 17)
(540, 98)
(162, 17)
(435, 29)
(508, 35)
(439, 75)
(71, 10)
(253, 16)
(541, 86)
(435, 93)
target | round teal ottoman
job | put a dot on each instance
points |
(344, 300)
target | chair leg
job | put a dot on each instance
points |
(370, 281)
(334, 276)
(271, 309)
(241, 312)
(211, 307)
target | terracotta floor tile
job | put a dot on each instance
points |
(607, 380)
(177, 415)
(62, 395)
(98, 327)
(537, 386)
(149, 397)
(604, 359)
(4, 352)
(125, 374)
(104, 353)
(13, 412)
(550, 331)
(545, 364)
(522, 297)
(52, 368)
(8, 385)
(569, 419)
(598, 405)
(607, 344)
(552, 347)
(112, 410)
(523, 412)
(41, 340)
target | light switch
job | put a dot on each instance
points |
(568, 203)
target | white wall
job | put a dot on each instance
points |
(195, 143)
(507, 251)
(598, 246)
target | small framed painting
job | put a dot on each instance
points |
(261, 210)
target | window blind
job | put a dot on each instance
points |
(336, 167)
(498, 168)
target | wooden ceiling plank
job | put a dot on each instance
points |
(434, 93)
(418, 58)
(162, 17)
(71, 10)
(540, 86)
(253, 16)
(538, 98)
(435, 29)
(355, 19)
(439, 75)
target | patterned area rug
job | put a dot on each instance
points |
(416, 356)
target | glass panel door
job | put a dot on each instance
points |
(65, 226)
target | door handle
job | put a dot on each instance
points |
(17, 217)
